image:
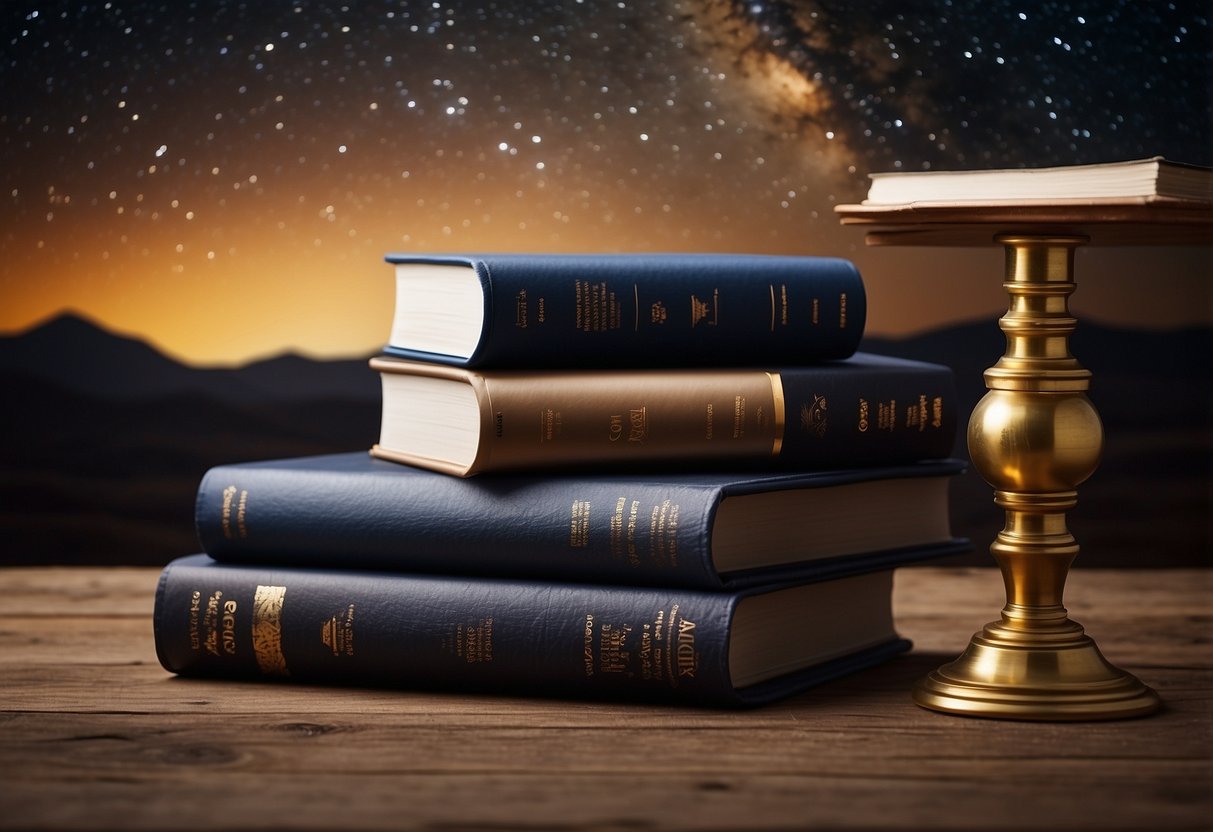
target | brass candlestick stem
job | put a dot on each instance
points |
(1034, 437)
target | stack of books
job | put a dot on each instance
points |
(636, 476)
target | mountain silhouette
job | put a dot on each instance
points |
(76, 354)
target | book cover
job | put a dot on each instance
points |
(703, 530)
(862, 411)
(622, 310)
(538, 638)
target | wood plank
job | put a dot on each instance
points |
(146, 688)
(786, 739)
(94, 734)
(101, 591)
(1145, 799)
(642, 797)
(223, 769)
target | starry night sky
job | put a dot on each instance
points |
(224, 178)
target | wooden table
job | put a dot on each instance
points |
(95, 735)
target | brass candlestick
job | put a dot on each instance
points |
(1034, 437)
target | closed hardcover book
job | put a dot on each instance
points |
(862, 411)
(621, 310)
(700, 530)
(350, 627)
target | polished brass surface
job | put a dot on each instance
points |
(1034, 437)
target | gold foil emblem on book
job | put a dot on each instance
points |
(337, 632)
(814, 417)
(267, 630)
(700, 310)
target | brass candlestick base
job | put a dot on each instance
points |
(1034, 437)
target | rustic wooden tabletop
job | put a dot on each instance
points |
(95, 735)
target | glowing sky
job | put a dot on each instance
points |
(224, 178)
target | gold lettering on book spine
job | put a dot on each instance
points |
(225, 514)
(779, 406)
(267, 630)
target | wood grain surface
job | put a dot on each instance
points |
(95, 735)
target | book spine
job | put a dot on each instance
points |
(879, 414)
(371, 628)
(666, 311)
(393, 517)
(860, 413)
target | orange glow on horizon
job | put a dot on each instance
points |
(291, 280)
(330, 304)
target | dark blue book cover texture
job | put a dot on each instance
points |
(406, 631)
(351, 510)
(658, 310)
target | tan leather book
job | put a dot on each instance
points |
(866, 410)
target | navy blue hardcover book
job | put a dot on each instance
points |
(379, 628)
(705, 530)
(860, 411)
(624, 310)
